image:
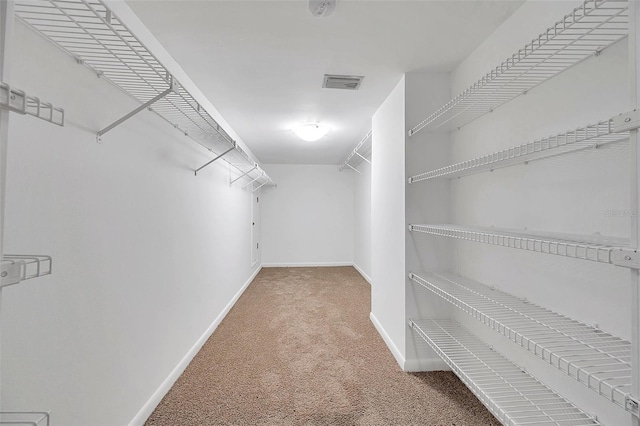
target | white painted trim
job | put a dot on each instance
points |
(146, 410)
(392, 347)
(361, 272)
(302, 265)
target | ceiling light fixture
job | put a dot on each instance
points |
(311, 132)
(322, 8)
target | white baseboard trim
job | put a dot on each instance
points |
(144, 413)
(392, 347)
(361, 272)
(305, 265)
(432, 364)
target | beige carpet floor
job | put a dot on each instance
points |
(298, 348)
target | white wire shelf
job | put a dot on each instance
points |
(18, 101)
(598, 360)
(16, 268)
(586, 247)
(362, 152)
(90, 32)
(25, 418)
(513, 396)
(586, 31)
(593, 135)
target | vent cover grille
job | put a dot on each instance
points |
(344, 82)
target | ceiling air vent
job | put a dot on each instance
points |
(345, 82)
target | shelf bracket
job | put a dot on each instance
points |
(217, 158)
(255, 166)
(353, 168)
(628, 258)
(172, 88)
(259, 176)
(625, 122)
(260, 186)
(632, 405)
(363, 157)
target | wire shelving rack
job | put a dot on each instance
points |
(586, 31)
(24, 418)
(593, 135)
(16, 268)
(594, 248)
(18, 101)
(362, 152)
(513, 396)
(90, 32)
(598, 360)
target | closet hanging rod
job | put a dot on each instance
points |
(18, 101)
(586, 31)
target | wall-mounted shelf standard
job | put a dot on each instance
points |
(586, 31)
(18, 101)
(513, 396)
(595, 248)
(590, 136)
(598, 360)
(16, 268)
(26, 418)
(362, 152)
(90, 32)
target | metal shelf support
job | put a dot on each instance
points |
(255, 166)
(217, 158)
(362, 146)
(144, 106)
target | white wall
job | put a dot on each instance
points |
(308, 219)
(426, 202)
(362, 220)
(146, 257)
(388, 221)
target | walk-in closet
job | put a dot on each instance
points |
(319, 212)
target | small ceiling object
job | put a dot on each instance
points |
(311, 132)
(344, 82)
(322, 8)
